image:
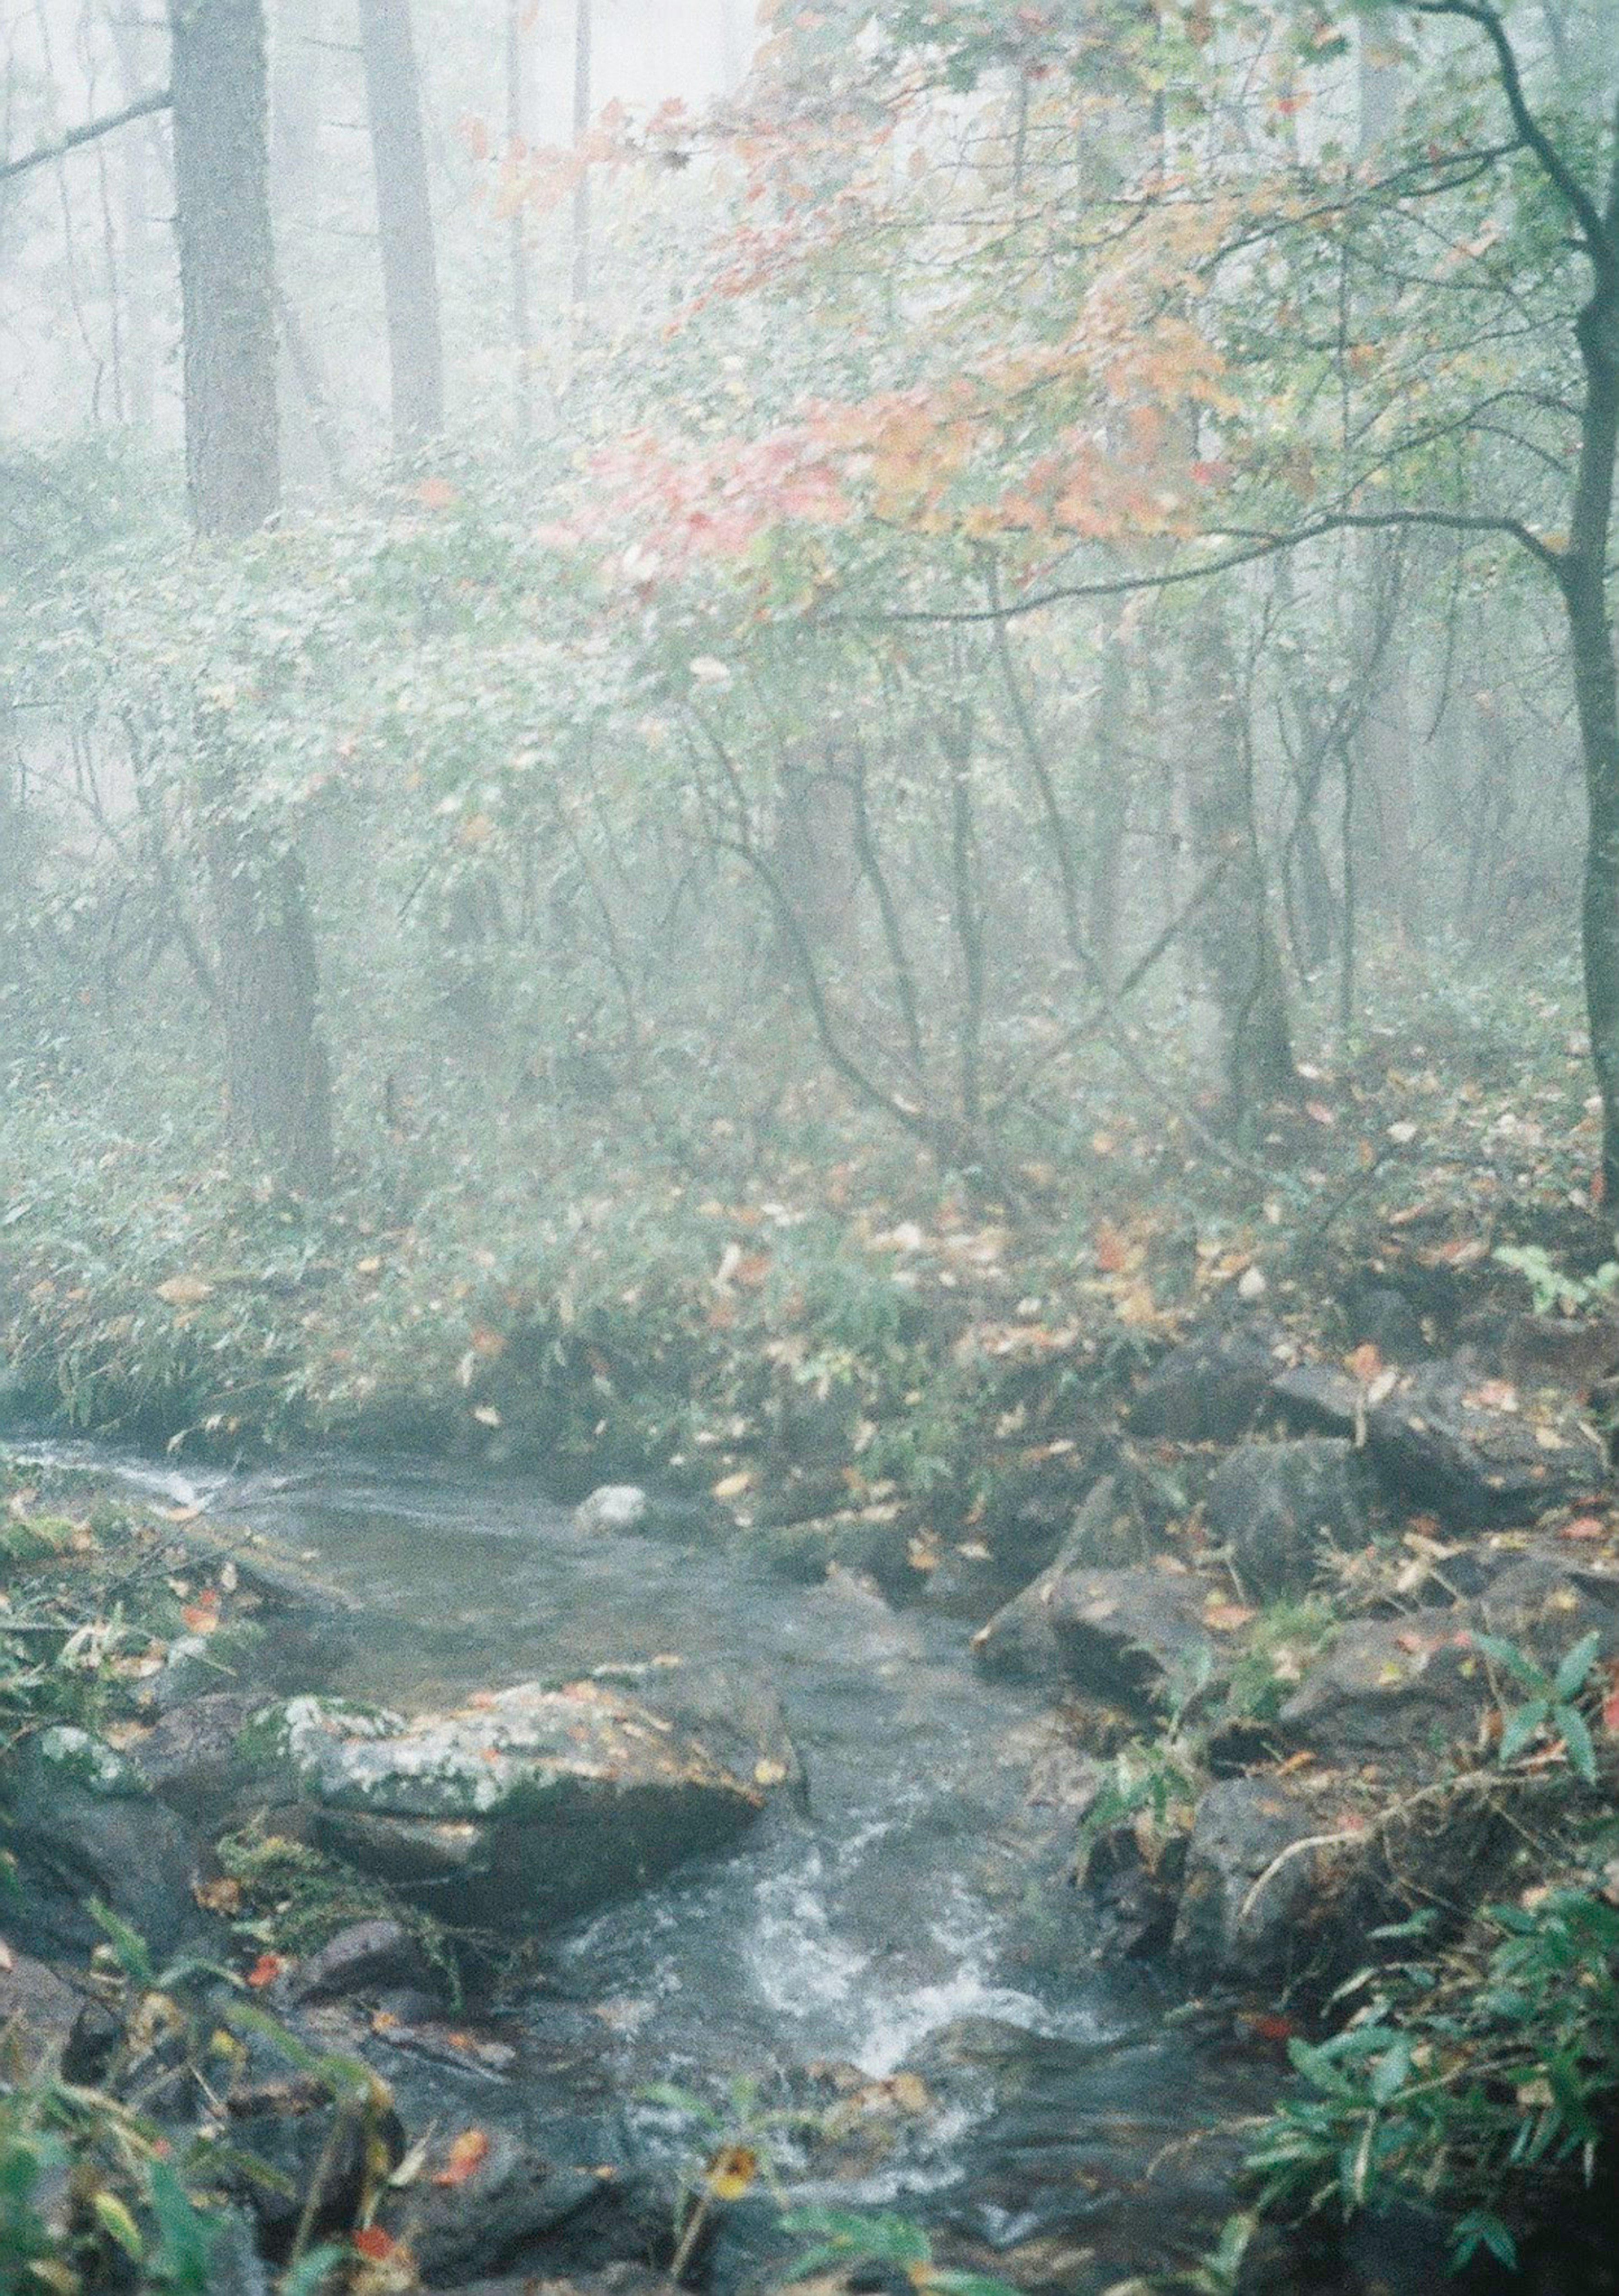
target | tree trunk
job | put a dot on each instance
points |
(405, 224)
(1109, 813)
(582, 128)
(517, 235)
(278, 1077)
(1583, 578)
(227, 285)
(1241, 962)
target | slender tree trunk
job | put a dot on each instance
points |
(517, 238)
(1582, 578)
(278, 1076)
(1109, 814)
(405, 224)
(311, 445)
(1241, 962)
(1584, 586)
(582, 26)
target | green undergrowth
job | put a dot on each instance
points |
(615, 1292)
(1469, 2063)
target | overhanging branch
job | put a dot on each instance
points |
(159, 100)
(1253, 549)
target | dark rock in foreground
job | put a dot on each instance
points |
(1278, 1506)
(81, 1824)
(1211, 1388)
(1447, 1439)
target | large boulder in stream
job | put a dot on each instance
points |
(523, 1810)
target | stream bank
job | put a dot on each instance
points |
(1107, 1784)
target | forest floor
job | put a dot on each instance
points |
(1350, 1771)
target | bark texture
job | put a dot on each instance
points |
(405, 224)
(278, 1077)
(227, 273)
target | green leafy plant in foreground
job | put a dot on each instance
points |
(845, 2237)
(1462, 2078)
(1549, 1711)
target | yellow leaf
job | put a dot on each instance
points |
(731, 2172)
(732, 1486)
(116, 2221)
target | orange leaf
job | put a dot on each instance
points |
(1584, 1526)
(265, 1971)
(374, 2242)
(1364, 1364)
(202, 1616)
(1112, 1252)
(467, 2156)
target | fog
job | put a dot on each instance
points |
(808, 1134)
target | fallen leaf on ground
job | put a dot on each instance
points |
(465, 2157)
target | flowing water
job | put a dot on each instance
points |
(901, 1919)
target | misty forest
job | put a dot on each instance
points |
(809, 1147)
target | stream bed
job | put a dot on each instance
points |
(908, 1917)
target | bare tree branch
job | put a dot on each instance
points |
(1598, 238)
(158, 101)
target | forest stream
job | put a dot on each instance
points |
(895, 1921)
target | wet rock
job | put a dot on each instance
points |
(1538, 1351)
(1126, 2152)
(515, 2196)
(291, 2147)
(1317, 1397)
(1544, 1605)
(1249, 1913)
(875, 1544)
(198, 1761)
(1113, 1634)
(39, 2014)
(734, 1715)
(81, 1823)
(1448, 1441)
(189, 1671)
(523, 1810)
(1211, 1388)
(1381, 1316)
(360, 1959)
(1118, 1525)
(1400, 1688)
(613, 1507)
(1275, 1505)
(1404, 1688)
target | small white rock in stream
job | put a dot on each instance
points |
(614, 1506)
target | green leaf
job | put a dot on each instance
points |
(1391, 2071)
(120, 2226)
(309, 2275)
(1480, 2229)
(1522, 1726)
(1570, 1677)
(1518, 1663)
(1569, 1723)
